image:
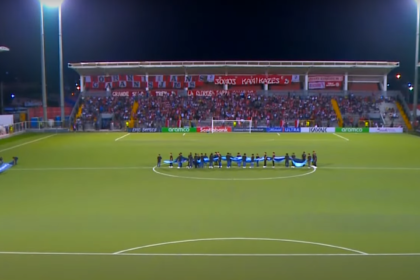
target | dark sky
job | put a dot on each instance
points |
(133, 30)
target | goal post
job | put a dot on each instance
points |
(218, 126)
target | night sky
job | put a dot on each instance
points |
(136, 30)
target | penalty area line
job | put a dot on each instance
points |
(341, 137)
(119, 138)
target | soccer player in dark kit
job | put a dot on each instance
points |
(258, 160)
(274, 163)
(286, 160)
(309, 160)
(13, 162)
(228, 160)
(179, 160)
(304, 156)
(238, 155)
(252, 161)
(195, 160)
(265, 160)
(171, 158)
(190, 161)
(211, 158)
(219, 159)
(244, 160)
(315, 158)
(202, 161)
(159, 160)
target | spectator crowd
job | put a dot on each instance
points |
(264, 110)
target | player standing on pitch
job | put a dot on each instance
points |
(211, 158)
(171, 159)
(274, 163)
(159, 160)
(219, 159)
(315, 158)
(265, 160)
(258, 160)
(309, 160)
(286, 160)
(244, 160)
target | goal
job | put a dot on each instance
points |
(218, 126)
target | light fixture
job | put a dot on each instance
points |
(52, 3)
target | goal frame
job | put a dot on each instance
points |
(214, 125)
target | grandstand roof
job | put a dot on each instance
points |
(234, 67)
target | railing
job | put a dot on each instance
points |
(75, 108)
(375, 64)
(259, 92)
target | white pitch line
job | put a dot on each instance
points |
(81, 168)
(26, 143)
(370, 168)
(241, 238)
(151, 167)
(341, 137)
(206, 255)
(119, 138)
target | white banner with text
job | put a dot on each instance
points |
(317, 129)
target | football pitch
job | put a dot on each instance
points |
(94, 206)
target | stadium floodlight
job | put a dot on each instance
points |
(220, 126)
(4, 49)
(52, 3)
(416, 68)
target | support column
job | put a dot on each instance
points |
(265, 87)
(82, 83)
(225, 87)
(305, 86)
(185, 80)
(147, 81)
(346, 82)
(385, 88)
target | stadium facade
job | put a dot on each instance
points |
(212, 78)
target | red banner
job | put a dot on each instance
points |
(326, 78)
(255, 80)
(206, 129)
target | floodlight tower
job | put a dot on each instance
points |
(2, 49)
(52, 4)
(416, 69)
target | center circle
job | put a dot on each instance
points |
(234, 179)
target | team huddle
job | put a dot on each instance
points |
(202, 160)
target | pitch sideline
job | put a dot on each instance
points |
(26, 143)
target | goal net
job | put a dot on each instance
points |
(218, 126)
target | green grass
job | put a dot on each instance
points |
(87, 193)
